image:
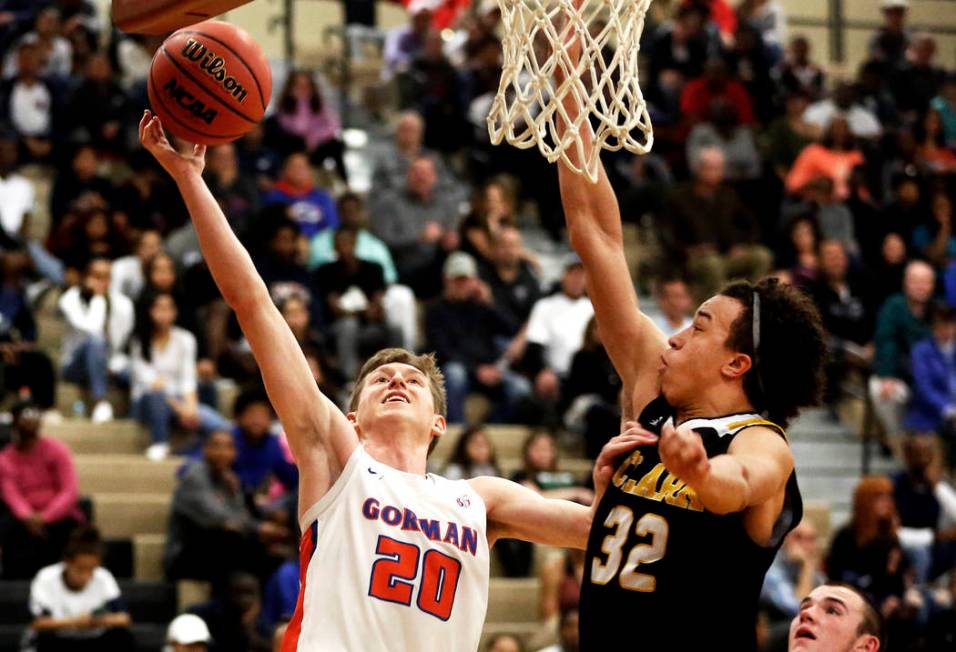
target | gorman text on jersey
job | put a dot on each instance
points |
(460, 536)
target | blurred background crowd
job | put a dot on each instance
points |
(415, 231)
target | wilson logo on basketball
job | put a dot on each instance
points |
(214, 66)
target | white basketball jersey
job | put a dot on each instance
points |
(391, 561)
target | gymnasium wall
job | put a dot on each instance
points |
(810, 17)
(861, 17)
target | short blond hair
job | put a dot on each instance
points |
(425, 363)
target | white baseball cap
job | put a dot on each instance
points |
(415, 6)
(894, 4)
(460, 264)
(187, 629)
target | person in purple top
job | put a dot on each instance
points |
(259, 454)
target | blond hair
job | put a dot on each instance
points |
(425, 363)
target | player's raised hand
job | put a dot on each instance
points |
(683, 454)
(632, 435)
(177, 164)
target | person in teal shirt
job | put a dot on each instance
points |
(945, 103)
(369, 248)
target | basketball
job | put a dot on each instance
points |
(210, 83)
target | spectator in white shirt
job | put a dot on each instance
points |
(99, 324)
(17, 201)
(556, 331)
(164, 378)
(56, 50)
(17, 196)
(863, 123)
(76, 604)
(128, 277)
(28, 102)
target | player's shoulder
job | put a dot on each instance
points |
(733, 424)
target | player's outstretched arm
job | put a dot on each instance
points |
(322, 439)
(517, 512)
(633, 341)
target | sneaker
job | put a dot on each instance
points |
(157, 452)
(102, 412)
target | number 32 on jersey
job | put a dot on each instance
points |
(620, 519)
(396, 571)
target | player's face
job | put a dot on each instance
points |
(396, 391)
(698, 357)
(829, 621)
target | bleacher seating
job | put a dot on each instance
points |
(131, 498)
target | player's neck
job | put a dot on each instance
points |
(398, 453)
(716, 403)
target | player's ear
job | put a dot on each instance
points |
(439, 425)
(353, 419)
(867, 643)
(737, 366)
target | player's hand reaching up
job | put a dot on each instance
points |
(177, 164)
(683, 454)
(632, 435)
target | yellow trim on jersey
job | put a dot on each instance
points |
(756, 421)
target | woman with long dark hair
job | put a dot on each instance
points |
(309, 122)
(834, 157)
(164, 385)
(474, 455)
(931, 150)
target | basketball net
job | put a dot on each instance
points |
(603, 83)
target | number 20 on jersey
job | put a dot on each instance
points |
(396, 572)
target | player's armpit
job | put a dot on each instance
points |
(517, 512)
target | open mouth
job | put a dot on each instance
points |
(805, 633)
(395, 397)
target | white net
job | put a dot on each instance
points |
(603, 84)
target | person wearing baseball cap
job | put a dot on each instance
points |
(463, 329)
(187, 633)
(890, 42)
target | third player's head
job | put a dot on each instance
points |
(713, 363)
(836, 618)
(399, 392)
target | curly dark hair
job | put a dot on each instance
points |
(788, 369)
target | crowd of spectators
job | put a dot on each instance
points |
(762, 164)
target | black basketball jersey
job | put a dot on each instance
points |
(660, 569)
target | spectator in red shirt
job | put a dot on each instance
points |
(39, 488)
(716, 83)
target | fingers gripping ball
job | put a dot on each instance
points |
(210, 83)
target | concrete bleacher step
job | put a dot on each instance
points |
(122, 436)
(843, 454)
(127, 515)
(580, 467)
(125, 474)
(67, 395)
(513, 599)
(148, 556)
